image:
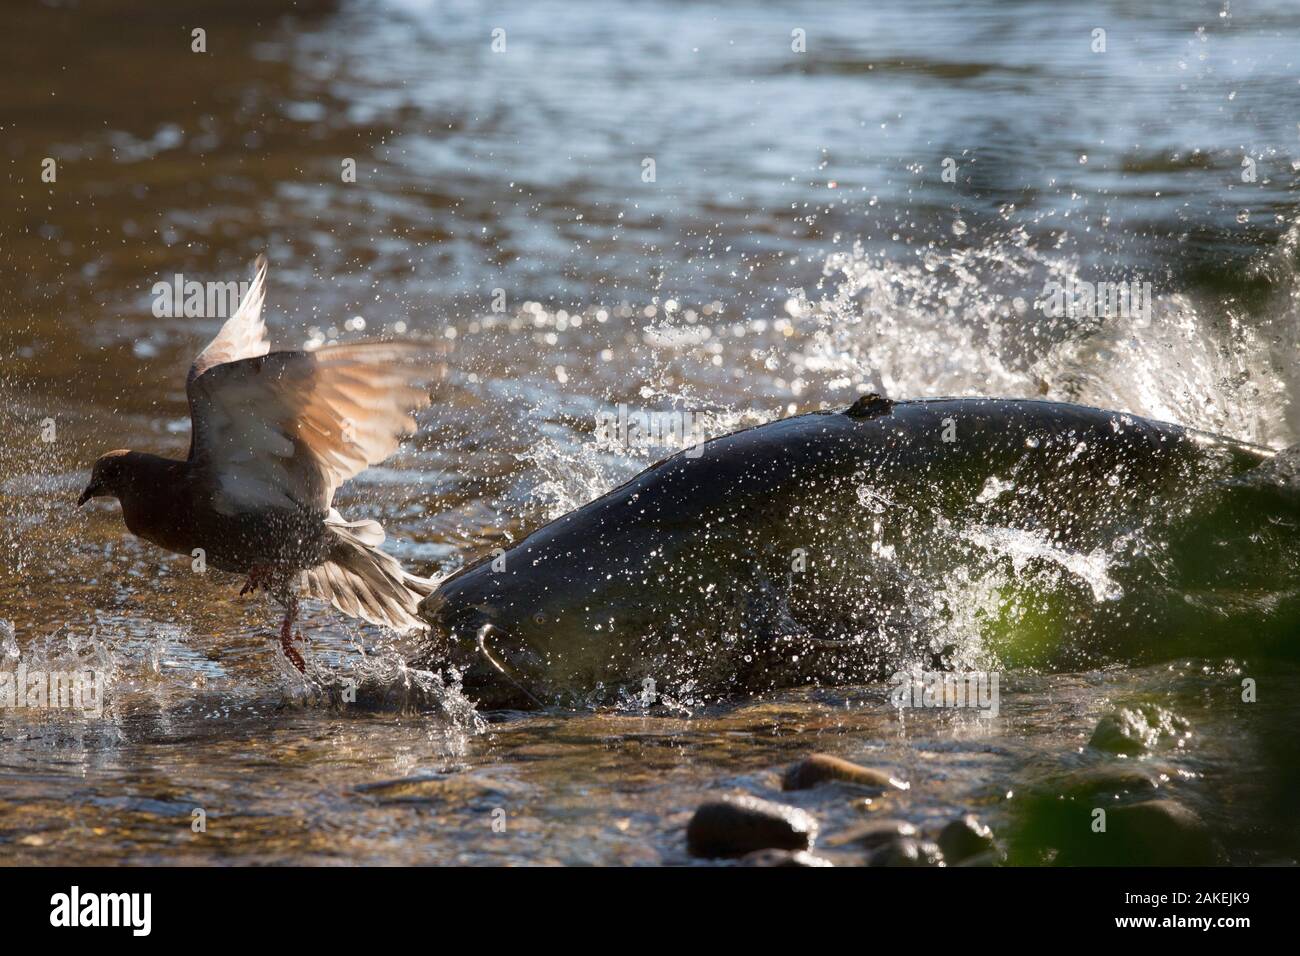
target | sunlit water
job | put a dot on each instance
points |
(797, 247)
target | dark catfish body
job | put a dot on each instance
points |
(828, 547)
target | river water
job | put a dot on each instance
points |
(664, 205)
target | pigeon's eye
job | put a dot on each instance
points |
(539, 618)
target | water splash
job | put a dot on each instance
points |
(380, 679)
(1027, 549)
(55, 675)
(969, 322)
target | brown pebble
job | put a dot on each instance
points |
(734, 826)
(820, 768)
(799, 858)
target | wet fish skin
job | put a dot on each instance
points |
(692, 562)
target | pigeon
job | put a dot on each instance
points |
(272, 436)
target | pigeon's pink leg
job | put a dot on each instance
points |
(259, 575)
(286, 636)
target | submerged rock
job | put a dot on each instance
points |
(908, 852)
(1137, 730)
(1160, 833)
(1081, 829)
(799, 858)
(821, 768)
(874, 833)
(965, 838)
(446, 788)
(734, 826)
(1108, 782)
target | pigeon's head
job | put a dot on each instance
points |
(110, 476)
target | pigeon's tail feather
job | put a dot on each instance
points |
(362, 581)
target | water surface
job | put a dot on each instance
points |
(797, 246)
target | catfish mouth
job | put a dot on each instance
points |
(454, 627)
(483, 643)
(468, 638)
(454, 622)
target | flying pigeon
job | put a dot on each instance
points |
(272, 436)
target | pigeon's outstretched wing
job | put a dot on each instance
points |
(282, 430)
(244, 334)
(285, 429)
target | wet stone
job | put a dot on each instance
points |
(1110, 831)
(734, 826)
(783, 858)
(1109, 781)
(821, 768)
(908, 852)
(1137, 730)
(964, 838)
(1160, 833)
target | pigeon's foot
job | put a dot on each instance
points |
(259, 576)
(286, 637)
(291, 652)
